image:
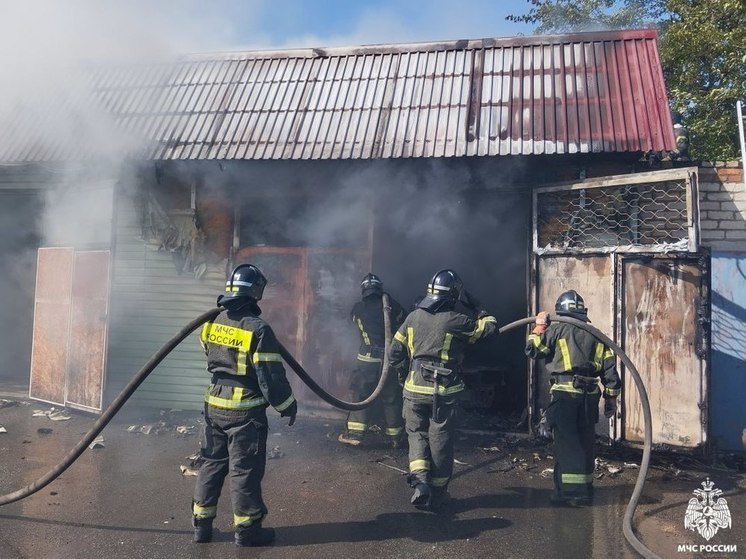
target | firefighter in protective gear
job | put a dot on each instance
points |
(432, 341)
(576, 362)
(367, 315)
(247, 377)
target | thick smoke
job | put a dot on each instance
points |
(47, 112)
(422, 215)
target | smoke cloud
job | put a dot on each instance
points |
(428, 215)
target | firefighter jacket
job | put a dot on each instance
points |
(368, 317)
(568, 351)
(243, 357)
(439, 339)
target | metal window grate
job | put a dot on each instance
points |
(645, 214)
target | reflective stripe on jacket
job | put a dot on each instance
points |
(439, 338)
(239, 343)
(568, 349)
(367, 315)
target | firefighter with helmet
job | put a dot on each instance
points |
(367, 315)
(576, 361)
(433, 340)
(247, 377)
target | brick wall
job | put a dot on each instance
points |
(722, 205)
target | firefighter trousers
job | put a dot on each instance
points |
(572, 418)
(430, 442)
(234, 443)
(389, 403)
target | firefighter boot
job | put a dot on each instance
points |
(254, 536)
(202, 530)
(421, 496)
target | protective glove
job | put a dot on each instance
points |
(610, 407)
(542, 323)
(290, 412)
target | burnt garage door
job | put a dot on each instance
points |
(307, 301)
(628, 244)
(663, 300)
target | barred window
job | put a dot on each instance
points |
(644, 215)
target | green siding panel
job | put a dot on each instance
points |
(150, 303)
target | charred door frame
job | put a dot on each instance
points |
(617, 255)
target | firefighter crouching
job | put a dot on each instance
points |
(247, 376)
(367, 315)
(432, 340)
(576, 361)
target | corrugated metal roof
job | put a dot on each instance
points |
(579, 93)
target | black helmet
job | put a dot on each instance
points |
(443, 290)
(245, 282)
(371, 285)
(570, 303)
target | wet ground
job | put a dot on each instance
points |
(129, 498)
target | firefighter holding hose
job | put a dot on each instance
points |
(433, 339)
(367, 315)
(247, 377)
(576, 361)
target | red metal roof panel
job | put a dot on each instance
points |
(561, 94)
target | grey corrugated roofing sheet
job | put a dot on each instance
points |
(561, 94)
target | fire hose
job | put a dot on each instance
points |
(153, 362)
(171, 344)
(629, 533)
(336, 402)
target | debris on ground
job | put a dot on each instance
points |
(144, 429)
(275, 453)
(672, 472)
(346, 440)
(459, 462)
(502, 466)
(98, 442)
(186, 429)
(489, 449)
(382, 463)
(547, 472)
(44, 430)
(604, 466)
(7, 403)
(188, 471)
(52, 413)
(169, 421)
(3, 429)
